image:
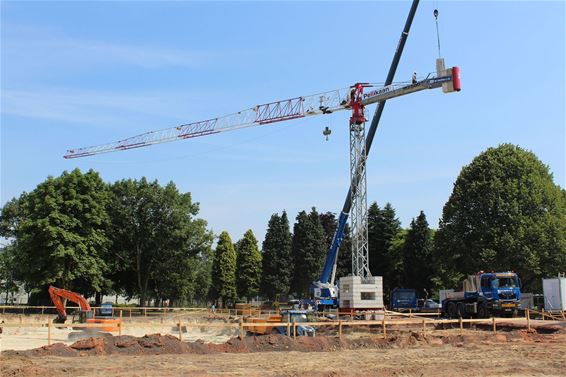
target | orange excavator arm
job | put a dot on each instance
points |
(57, 296)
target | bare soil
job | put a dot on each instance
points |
(515, 352)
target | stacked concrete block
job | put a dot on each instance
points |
(361, 293)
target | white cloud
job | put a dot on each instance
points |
(26, 49)
(101, 108)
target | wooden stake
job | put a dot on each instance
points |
(49, 332)
(180, 331)
(494, 328)
(130, 313)
(340, 329)
(120, 325)
(384, 328)
(288, 328)
(528, 320)
(461, 325)
(241, 328)
(294, 330)
(424, 328)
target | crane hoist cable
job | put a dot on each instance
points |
(435, 13)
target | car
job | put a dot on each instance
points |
(106, 309)
(431, 304)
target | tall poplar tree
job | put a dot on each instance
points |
(248, 266)
(309, 250)
(277, 262)
(418, 264)
(224, 270)
(384, 259)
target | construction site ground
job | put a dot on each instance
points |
(511, 351)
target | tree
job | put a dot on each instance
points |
(384, 260)
(344, 262)
(309, 251)
(504, 213)
(157, 242)
(59, 232)
(8, 267)
(277, 262)
(224, 270)
(248, 266)
(418, 264)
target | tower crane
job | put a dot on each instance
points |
(355, 99)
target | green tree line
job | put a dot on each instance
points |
(144, 240)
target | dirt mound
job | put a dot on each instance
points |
(156, 344)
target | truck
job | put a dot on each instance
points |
(285, 316)
(403, 299)
(483, 295)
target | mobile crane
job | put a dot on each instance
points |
(354, 98)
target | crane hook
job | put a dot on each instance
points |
(327, 131)
(435, 13)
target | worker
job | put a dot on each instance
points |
(213, 308)
(414, 77)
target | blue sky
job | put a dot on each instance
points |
(75, 74)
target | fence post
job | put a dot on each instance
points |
(42, 308)
(144, 312)
(384, 328)
(528, 320)
(424, 327)
(120, 324)
(340, 329)
(461, 326)
(49, 331)
(179, 325)
(21, 319)
(410, 313)
(294, 329)
(241, 328)
(130, 313)
(494, 326)
(288, 329)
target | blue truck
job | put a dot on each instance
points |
(483, 295)
(403, 299)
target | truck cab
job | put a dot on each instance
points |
(502, 291)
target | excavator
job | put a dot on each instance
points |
(85, 314)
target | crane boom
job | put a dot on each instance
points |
(273, 112)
